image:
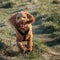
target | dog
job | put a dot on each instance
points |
(22, 22)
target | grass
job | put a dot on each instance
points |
(43, 39)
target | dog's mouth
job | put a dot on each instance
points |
(22, 25)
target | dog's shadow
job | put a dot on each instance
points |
(7, 50)
(11, 53)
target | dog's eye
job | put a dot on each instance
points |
(24, 17)
(18, 17)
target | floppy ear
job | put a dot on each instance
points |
(31, 18)
(12, 20)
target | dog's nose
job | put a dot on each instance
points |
(22, 19)
(21, 22)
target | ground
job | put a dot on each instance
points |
(46, 45)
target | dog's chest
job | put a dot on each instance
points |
(22, 36)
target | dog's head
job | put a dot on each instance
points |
(22, 18)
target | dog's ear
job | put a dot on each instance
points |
(30, 17)
(12, 19)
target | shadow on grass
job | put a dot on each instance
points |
(56, 2)
(38, 18)
(3, 58)
(2, 46)
(43, 30)
(7, 50)
(11, 53)
(56, 41)
(2, 25)
(44, 27)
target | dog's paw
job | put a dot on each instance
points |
(23, 50)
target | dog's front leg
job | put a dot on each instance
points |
(29, 45)
(20, 45)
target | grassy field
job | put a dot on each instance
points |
(46, 30)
